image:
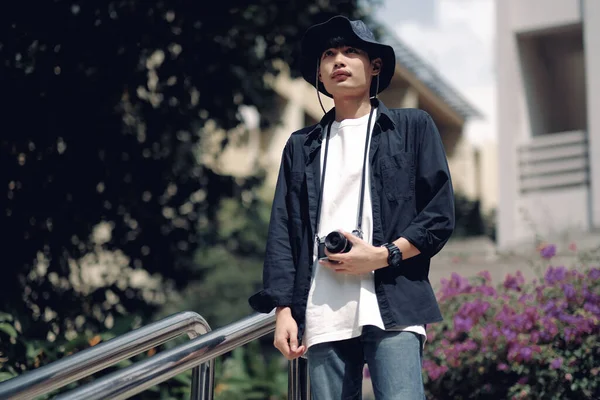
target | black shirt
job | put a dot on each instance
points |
(411, 196)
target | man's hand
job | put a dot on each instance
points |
(362, 258)
(286, 334)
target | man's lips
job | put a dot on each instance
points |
(340, 73)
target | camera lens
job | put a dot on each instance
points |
(337, 243)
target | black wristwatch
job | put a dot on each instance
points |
(394, 255)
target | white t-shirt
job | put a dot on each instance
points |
(339, 305)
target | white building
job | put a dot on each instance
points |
(548, 67)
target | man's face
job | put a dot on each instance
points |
(346, 71)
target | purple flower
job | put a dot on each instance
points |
(467, 346)
(502, 367)
(514, 282)
(525, 298)
(556, 363)
(594, 274)
(592, 308)
(554, 275)
(569, 319)
(509, 334)
(486, 290)
(433, 370)
(460, 282)
(523, 380)
(569, 291)
(456, 285)
(485, 275)
(570, 334)
(489, 334)
(525, 353)
(462, 324)
(510, 282)
(548, 251)
(548, 330)
(476, 308)
(519, 352)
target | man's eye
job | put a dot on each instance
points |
(352, 50)
(327, 53)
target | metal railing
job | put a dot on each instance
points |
(198, 354)
(58, 374)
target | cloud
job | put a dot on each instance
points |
(460, 45)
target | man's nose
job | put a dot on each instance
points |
(339, 64)
(339, 60)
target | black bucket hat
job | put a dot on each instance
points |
(313, 42)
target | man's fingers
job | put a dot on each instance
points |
(287, 344)
(293, 336)
(337, 267)
(285, 349)
(299, 351)
(333, 261)
(282, 345)
(289, 348)
(351, 237)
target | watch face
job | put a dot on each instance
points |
(396, 259)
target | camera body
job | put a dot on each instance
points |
(335, 242)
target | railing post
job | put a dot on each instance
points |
(203, 381)
(304, 380)
(203, 378)
(293, 380)
(298, 380)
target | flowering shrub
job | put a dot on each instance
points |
(519, 340)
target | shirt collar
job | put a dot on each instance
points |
(383, 118)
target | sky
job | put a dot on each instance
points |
(456, 37)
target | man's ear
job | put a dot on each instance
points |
(376, 66)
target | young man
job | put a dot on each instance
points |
(380, 178)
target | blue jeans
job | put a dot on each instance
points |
(394, 359)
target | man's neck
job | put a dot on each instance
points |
(351, 108)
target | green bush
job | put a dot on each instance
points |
(518, 340)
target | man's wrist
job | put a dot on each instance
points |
(283, 309)
(382, 256)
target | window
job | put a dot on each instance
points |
(553, 68)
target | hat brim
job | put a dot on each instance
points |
(340, 25)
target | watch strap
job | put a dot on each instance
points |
(393, 253)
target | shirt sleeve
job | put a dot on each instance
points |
(434, 223)
(279, 269)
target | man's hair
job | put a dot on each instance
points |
(335, 42)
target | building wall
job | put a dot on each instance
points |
(529, 15)
(591, 13)
(486, 165)
(547, 68)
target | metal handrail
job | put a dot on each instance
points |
(138, 377)
(86, 362)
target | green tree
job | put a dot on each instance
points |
(232, 264)
(105, 105)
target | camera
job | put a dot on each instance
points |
(335, 242)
